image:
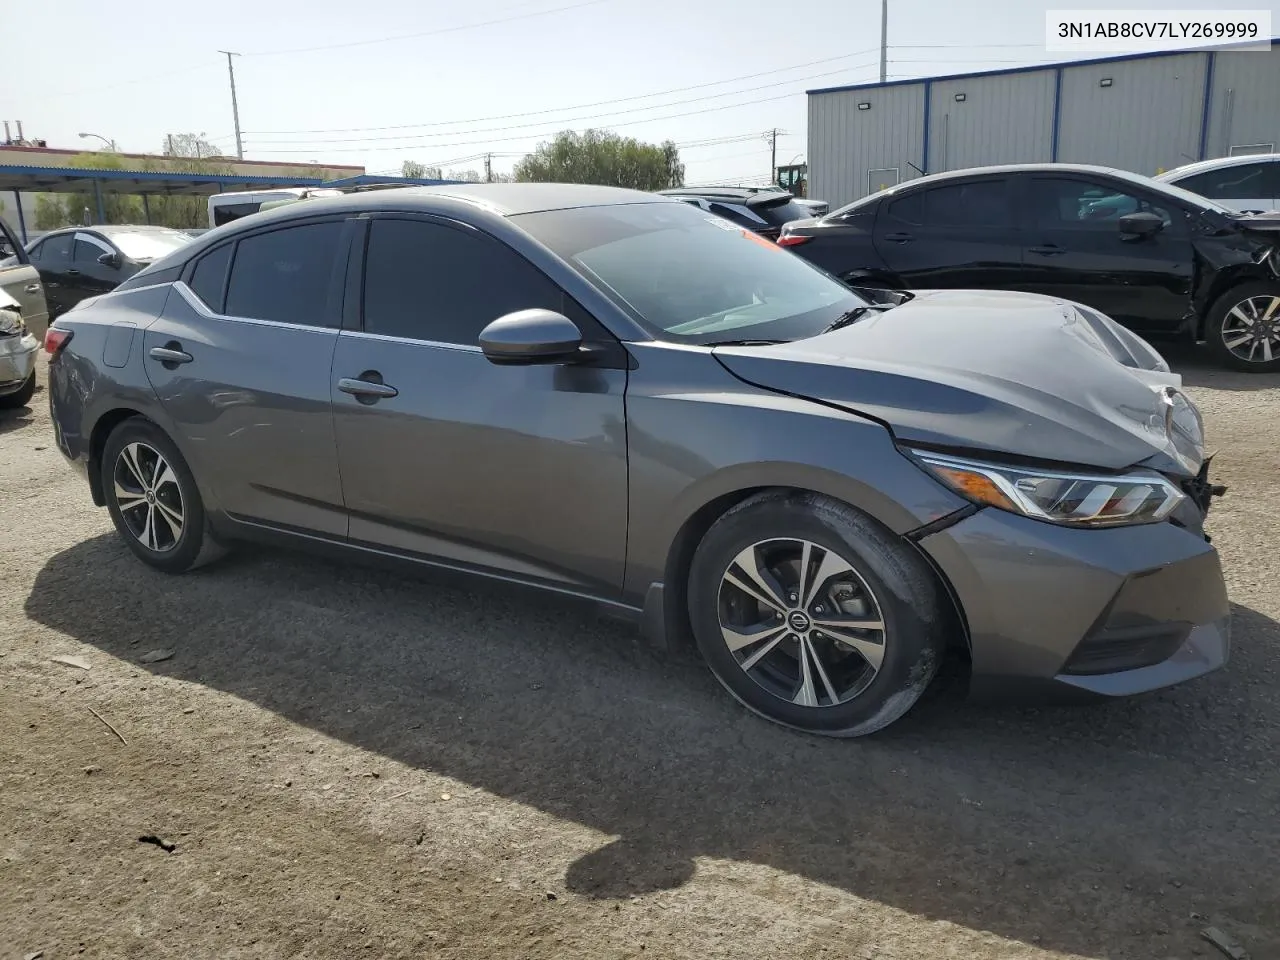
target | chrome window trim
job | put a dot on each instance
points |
(459, 347)
(198, 305)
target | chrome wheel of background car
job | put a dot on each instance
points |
(801, 622)
(1251, 329)
(149, 497)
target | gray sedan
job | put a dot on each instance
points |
(620, 398)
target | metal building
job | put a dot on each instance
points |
(1146, 113)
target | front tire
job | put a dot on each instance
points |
(1243, 327)
(12, 401)
(153, 498)
(813, 615)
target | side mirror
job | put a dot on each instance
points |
(1140, 224)
(531, 336)
(110, 260)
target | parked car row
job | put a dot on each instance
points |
(627, 399)
(1153, 256)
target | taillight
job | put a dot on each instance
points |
(792, 240)
(55, 340)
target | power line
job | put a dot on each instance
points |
(566, 120)
(580, 106)
(429, 33)
(535, 136)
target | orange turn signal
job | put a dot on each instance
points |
(975, 486)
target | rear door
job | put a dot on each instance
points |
(241, 361)
(1075, 249)
(955, 235)
(22, 282)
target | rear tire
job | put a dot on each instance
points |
(840, 627)
(1243, 327)
(12, 401)
(153, 499)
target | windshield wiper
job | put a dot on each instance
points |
(851, 316)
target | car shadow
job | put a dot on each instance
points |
(1094, 831)
(1199, 368)
(15, 418)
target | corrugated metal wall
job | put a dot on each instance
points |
(1147, 121)
(1011, 116)
(1243, 106)
(851, 143)
(1149, 118)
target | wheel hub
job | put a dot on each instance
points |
(799, 621)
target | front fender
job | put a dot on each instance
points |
(690, 447)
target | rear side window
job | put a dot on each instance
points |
(1246, 181)
(208, 280)
(285, 275)
(427, 281)
(55, 250)
(982, 203)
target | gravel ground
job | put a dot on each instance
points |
(357, 764)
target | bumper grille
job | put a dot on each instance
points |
(1112, 651)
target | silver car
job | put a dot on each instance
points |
(23, 315)
(624, 399)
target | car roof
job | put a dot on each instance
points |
(1217, 163)
(108, 229)
(733, 193)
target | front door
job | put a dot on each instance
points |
(21, 281)
(88, 277)
(52, 257)
(240, 360)
(517, 469)
(953, 236)
(1075, 250)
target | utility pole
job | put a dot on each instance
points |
(235, 109)
(171, 145)
(884, 39)
(772, 137)
(488, 168)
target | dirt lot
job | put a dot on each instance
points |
(353, 764)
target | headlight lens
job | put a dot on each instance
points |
(1184, 426)
(11, 324)
(1070, 499)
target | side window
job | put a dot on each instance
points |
(284, 275)
(86, 251)
(56, 251)
(427, 281)
(908, 209)
(981, 203)
(1059, 203)
(208, 280)
(35, 252)
(1247, 181)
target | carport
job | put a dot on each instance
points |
(145, 184)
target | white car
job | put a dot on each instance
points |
(1248, 183)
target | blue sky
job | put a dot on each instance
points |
(498, 78)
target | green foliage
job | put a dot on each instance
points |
(603, 157)
(413, 169)
(51, 211)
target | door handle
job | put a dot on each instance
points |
(899, 237)
(168, 355)
(1048, 250)
(73, 273)
(365, 389)
(32, 288)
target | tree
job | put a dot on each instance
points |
(603, 157)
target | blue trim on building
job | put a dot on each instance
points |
(1033, 68)
(928, 104)
(1208, 102)
(1057, 114)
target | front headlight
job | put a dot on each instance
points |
(1069, 499)
(11, 324)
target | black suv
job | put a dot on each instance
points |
(1156, 258)
(761, 211)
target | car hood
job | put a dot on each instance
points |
(1259, 222)
(1005, 373)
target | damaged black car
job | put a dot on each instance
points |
(1158, 259)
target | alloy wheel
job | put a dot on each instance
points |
(801, 622)
(148, 496)
(1251, 329)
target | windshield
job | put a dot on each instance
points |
(693, 277)
(150, 245)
